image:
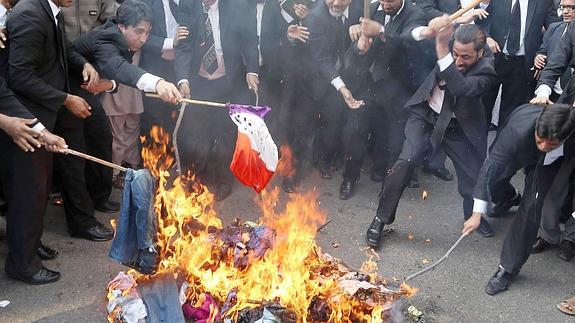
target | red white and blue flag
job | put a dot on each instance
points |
(256, 155)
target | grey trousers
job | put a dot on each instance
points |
(550, 229)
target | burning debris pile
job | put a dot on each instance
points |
(270, 271)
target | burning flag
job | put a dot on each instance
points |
(256, 155)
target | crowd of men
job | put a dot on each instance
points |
(407, 85)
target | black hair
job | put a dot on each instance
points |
(469, 33)
(556, 122)
(132, 12)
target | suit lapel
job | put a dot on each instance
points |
(530, 12)
(161, 23)
(224, 20)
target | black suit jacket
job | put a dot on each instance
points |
(467, 90)
(39, 60)
(514, 148)
(322, 50)
(401, 62)
(540, 13)
(560, 59)
(9, 104)
(238, 37)
(150, 59)
(273, 36)
(106, 49)
(436, 8)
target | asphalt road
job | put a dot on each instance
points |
(451, 293)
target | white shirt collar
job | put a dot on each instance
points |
(380, 8)
(214, 6)
(55, 9)
(346, 13)
(3, 11)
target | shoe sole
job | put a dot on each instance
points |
(32, 282)
(92, 238)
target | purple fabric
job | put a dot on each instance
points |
(259, 111)
(200, 314)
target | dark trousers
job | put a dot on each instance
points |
(207, 135)
(332, 119)
(435, 159)
(301, 124)
(523, 231)
(355, 139)
(157, 112)
(388, 119)
(517, 84)
(84, 184)
(25, 179)
(272, 91)
(466, 159)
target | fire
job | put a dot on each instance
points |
(292, 272)
(285, 164)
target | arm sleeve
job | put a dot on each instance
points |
(26, 37)
(459, 84)
(559, 60)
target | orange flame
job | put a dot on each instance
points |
(294, 272)
(285, 165)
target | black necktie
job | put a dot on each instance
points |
(175, 10)
(514, 32)
(60, 28)
(209, 58)
(444, 118)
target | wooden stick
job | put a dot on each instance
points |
(208, 103)
(366, 4)
(96, 160)
(323, 225)
(463, 10)
(437, 262)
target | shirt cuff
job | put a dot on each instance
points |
(337, 83)
(183, 81)
(445, 62)
(483, 5)
(147, 82)
(168, 44)
(39, 127)
(256, 74)
(416, 33)
(543, 91)
(113, 87)
(479, 206)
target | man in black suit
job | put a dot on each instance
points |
(446, 112)
(324, 96)
(158, 55)
(514, 29)
(21, 139)
(394, 45)
(39, 61)
(215, 63)
(538, 140)
(110, 48)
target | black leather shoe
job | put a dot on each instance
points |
(484, 229)
(289, 184)
(374, 233)
(46, 253)
(499, 282)
(441, 173)
(377, 177)
(95, 233)
(346, 189)
(541, 245)
(223, 191)
(43, 276)
(325, 172)
(413, 181)
(108, 207)
(566, 250)
(501, 208)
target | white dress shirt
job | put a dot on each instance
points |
(437, 95)
(3, 15)
(523, 4)
(259, 16)
(171, 29)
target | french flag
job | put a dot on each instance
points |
(256, 155)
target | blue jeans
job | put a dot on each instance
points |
(136, 229)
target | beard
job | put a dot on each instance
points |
(336, 13)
